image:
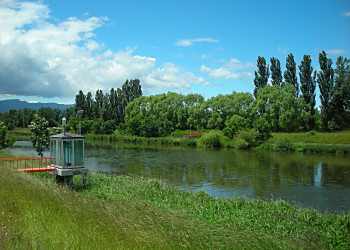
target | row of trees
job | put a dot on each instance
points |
(281, 105)
(109, 106)
(22, 118)
(274, 109)
(333, 84)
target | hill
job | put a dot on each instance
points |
(6, 105)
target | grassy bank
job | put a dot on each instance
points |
(341, 137)
(132, 212)
(315, 142)
(336, 142)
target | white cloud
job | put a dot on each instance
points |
(283, 50)
(347, 14)
(336, 51)
(232, 69)
(170, 77)
(40, 58)
(190, 42)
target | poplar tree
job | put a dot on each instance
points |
(325, 80)
(308, 85)
(290, 75)
(341, 93)
(276, 73)
(262, 76)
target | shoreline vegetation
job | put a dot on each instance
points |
(310, 142)
(121, 211)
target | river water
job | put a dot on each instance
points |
(319, 181)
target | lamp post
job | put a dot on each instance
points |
(64, 125)
(80, 114)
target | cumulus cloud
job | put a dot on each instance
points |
(42, 58)
(190, 42)
(231, 69)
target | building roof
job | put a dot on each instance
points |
(66, 136)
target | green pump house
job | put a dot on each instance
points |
(68, 149)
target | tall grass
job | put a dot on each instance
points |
(133, 212)
(341, 137)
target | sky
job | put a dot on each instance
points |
(49, 49)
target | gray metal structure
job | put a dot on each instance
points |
(68, 149)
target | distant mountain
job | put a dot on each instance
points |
(6, 105)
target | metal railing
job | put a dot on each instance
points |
(30, 164)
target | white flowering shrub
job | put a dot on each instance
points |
(40, 134)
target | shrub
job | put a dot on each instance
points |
(247, 138)
(283, 144)
(178, 133)
(210, 139)
(311, 132)
(241, 143)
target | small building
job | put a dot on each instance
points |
(68, 149)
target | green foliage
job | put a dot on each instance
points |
(234, 124)
(108, 127)
(178, 133)
(325, 79)
(276, 73)
(262, 76)
(5, 141)
(211, 139)
(263, 128)
(247, 139)
(311, 133)
(283, 144)
(40, 134)
(290, 75)
(308, 86)
(56, 130)
(340, 104)
(241, 143)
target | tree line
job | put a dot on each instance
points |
(22, 118)
(333, 84)
(285, 104)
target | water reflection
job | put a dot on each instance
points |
(318, 181)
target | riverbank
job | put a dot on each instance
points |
(132, 212)
(313, 142)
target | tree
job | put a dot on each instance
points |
(80, 101)
(325, 80)
(5, 142)
(40, 134)
(290, 75)
(341, 94)
(307, 86)
(276, 73)
(262, 76)
(88, 106)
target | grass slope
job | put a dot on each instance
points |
(129, 212)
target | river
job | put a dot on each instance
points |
(319, 181)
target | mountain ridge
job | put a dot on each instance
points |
(6, 105)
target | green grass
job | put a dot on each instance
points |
(20, 133)
(341, 137)
(133, 212)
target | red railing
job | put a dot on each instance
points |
(193, 134)
(29, 164)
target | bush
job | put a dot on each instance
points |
(311, 132)
(247, 138)
(210, 139)
(283, 144)
(241, 144)
(178, 133)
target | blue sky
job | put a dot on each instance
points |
(51, 49)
